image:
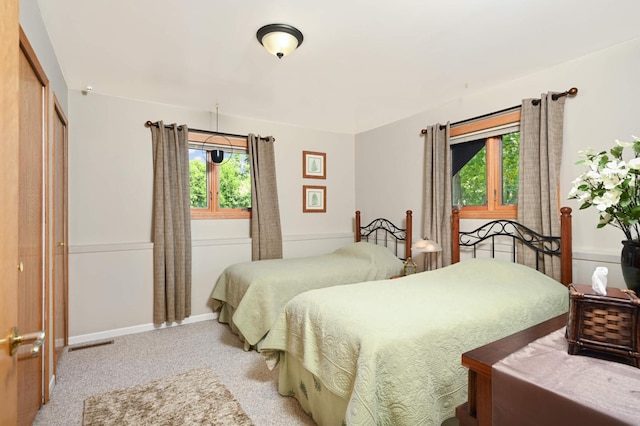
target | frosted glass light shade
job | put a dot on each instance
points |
(279, 39)
(426, 246)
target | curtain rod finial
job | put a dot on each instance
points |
(573, 91)
(148, 123)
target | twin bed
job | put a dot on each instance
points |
(389, 352)
(251, 295)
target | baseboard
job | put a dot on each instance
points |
(52, 384)
(109, 334)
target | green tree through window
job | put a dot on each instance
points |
(510, 168)
(198, 183)
(488, 180)
(473, 181)
(235, 182)
(219, 191)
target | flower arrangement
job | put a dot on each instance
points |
(610, 184)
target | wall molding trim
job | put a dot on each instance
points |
(596, 257)
(100, 248)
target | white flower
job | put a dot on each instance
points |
(592, 177)
(607, 200)
(615, 167)
(611, 185)
(586, 153)
(573, 192)
(613, 174)
(585, 197)
(576, 193)
(604, 218)
(634, 163)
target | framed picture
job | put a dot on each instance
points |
(314, 199)
(314, 165)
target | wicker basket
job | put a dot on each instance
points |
(606, 325)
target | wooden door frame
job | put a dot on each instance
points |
(9, 121)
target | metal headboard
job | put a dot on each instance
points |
(540, 244)
(383, 232)
(498, 228)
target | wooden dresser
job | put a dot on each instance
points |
(477, 410)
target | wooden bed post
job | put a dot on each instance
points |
(408, 232)
(566, 251)
(455, 233)
(357, 226)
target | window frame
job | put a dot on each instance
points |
(494, 208)
(213, 174)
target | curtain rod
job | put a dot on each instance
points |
(149, 123)
(571, 92)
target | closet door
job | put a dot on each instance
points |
(32, 121)
(60, 251)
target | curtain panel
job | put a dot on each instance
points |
(266, 233)
(171, 223)
(541, 127)
(437, 191)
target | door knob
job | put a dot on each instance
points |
(16, 340)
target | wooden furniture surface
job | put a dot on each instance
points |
(477, 410)
(607, 324)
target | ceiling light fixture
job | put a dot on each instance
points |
(279, 39)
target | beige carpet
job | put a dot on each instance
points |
(196, 397)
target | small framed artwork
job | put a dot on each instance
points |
(314, 199)
(314, 165)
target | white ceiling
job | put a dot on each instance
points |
(363, 63)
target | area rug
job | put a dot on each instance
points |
(196, 397)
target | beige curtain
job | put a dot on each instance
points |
(171, 224)
(437, 191)
(266, 234)
(541, 126)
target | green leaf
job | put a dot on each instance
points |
(616, 151)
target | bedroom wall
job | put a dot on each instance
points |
(110, 187)
(389, 159)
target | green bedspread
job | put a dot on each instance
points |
(392, 349)
(255, 292)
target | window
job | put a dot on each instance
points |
(219, 191)
(485, 156)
